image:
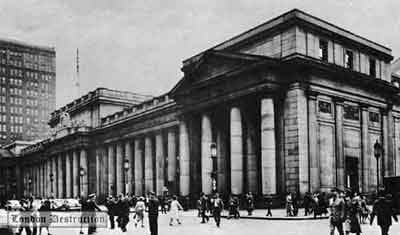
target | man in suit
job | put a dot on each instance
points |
(383, 210)
(217, 206)
(153, 213)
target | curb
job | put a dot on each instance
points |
(280, 218)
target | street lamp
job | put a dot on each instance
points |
(51, 183)
(213, 150)
(377, 153)
(30, 185)
(81, 174)
(126, 168)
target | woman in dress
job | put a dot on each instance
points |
(139, 211)
(175, 207)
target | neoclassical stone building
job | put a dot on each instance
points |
(295, 104)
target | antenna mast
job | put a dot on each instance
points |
(77, 84)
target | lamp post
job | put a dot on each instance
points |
(81, 174)
(30, 185)
(51, 183)
(126, 168)
(377, 153)
(213, 148)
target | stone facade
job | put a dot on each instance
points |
(295, 104)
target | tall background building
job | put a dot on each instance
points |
(27, 90)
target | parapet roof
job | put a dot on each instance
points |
(301, 16)
(25, 44)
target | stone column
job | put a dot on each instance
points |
(39, 178)
(104, 171)
(251, 157)
(68, 183)
(364, 148)
(390, 162)
(184, 159)
(119, 168)
(129, 156)
(60, 176)
(236, 151)
(160, 163)
(55, 175)
(111, 170)
(98, 170)
(148, 164)
(84, 165)
(75, 174)
(340, 158)
(171, 155)
(138, 167)
(385, 144)
(268, 155)
(206, 161)
(48, 177)
(313, 148)
(222, 158)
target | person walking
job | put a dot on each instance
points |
(123, 212)
(23, 210)
(383, 210)
(217, 207)
(45, 212)
(337, 214)
(174, 209)
(139, 211)
(289, 205)
(91, 208)
(268, 202)
(250, 203)
(111, 210)
(204, 208)
(153, 213)
(307, 203)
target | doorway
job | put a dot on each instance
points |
(352, 173)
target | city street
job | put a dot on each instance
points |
(191, 226)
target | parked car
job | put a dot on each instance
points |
(12, 205)
(68, 204)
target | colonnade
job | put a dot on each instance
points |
(58, 175)
(144, 163)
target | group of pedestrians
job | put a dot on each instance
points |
(347, 212)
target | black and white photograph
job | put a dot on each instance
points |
(199, 117)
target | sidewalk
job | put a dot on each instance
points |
(277, 214)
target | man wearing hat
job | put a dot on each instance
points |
(153, 213)
(383, 210)
(111, 207)
(91, 207)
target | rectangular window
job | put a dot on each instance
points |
(372, 67)
(348, 59)
(324, 107)
(323, 50)
(351, 112)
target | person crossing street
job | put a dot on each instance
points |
(217, 207)
(153, 213)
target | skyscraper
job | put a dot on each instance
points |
(27, 90)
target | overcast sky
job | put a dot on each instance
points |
(139, 45)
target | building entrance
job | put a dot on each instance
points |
(352, 173)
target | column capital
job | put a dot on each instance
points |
(338, 100)
(364, 107)
(312, 94)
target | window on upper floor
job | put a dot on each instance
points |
(372, 67)
(348, 59)
(323, 50)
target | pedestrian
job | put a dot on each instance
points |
(307, 204)
(204, 208)
(231, 207)
(217, 207)
(237, 205)
(364, 210)
(289, 205)
(250, 203)
(45, 212)
(163, 204)
(174, 209)
(153, 213)
(23, 211)
(198, 203)
(91, 208)
(268, 202)
(111, 210)
(123, 212)
(139, 211)
(383, 210)
(295, 204)
(337, 214)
